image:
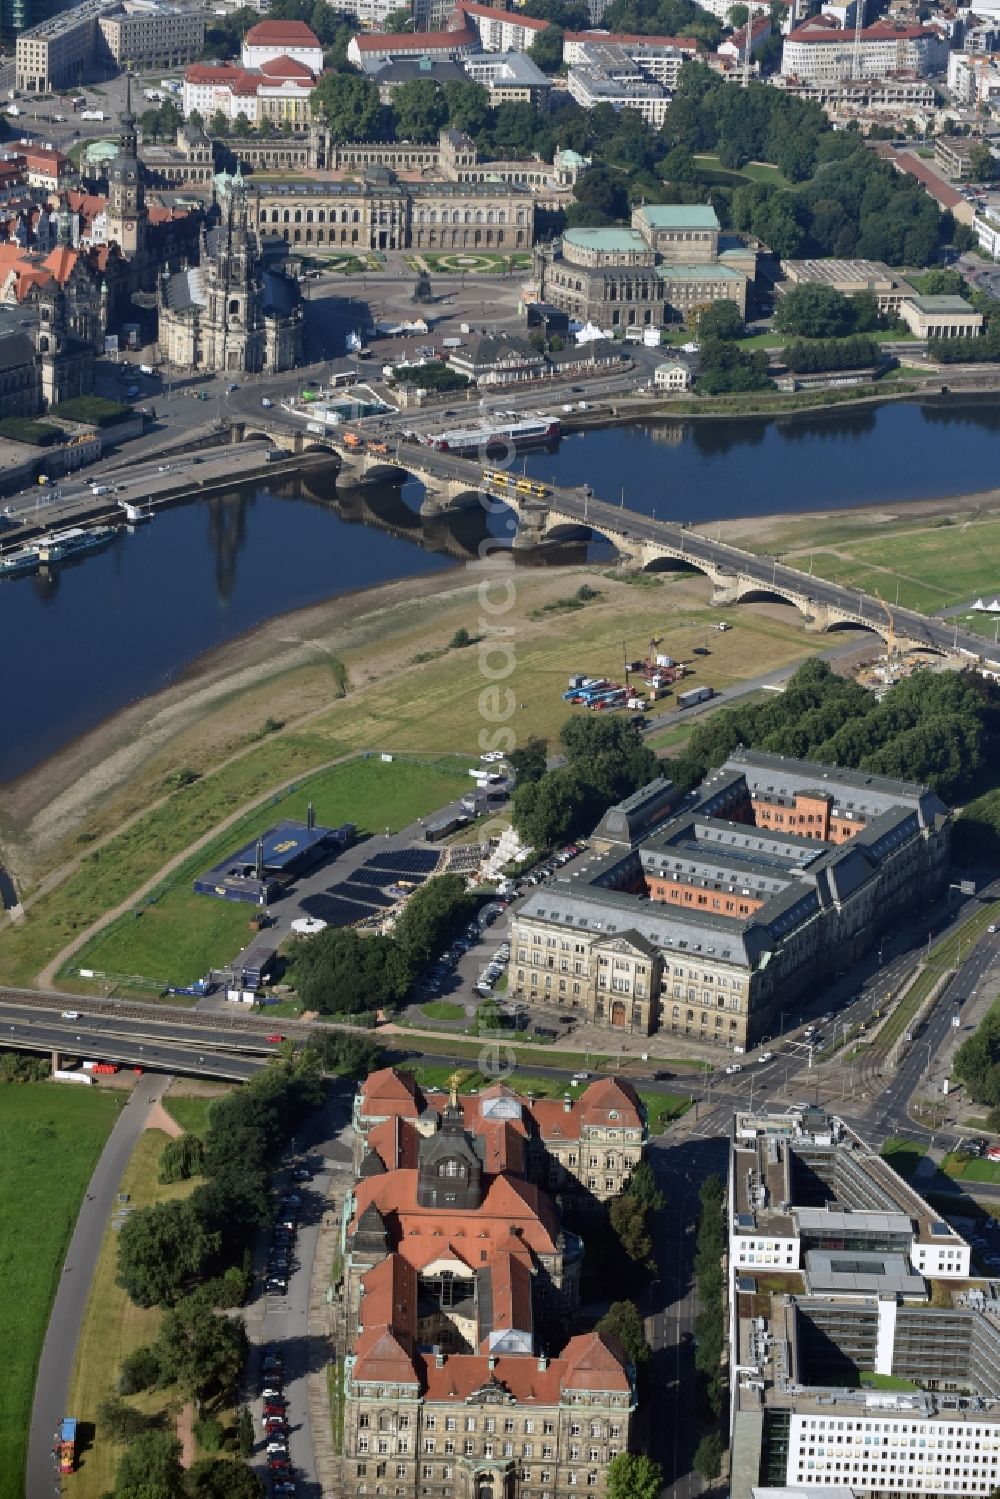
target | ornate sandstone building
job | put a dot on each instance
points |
(459, 1285)
(708, 914)
(229, 313)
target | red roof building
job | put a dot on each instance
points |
(457, 1278)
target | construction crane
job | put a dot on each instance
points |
(890, 640)
(859, 21)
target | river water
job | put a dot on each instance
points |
(125, 622)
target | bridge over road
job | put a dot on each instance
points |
(645, 543)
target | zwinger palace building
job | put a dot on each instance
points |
(459, 1282)
(708, 914)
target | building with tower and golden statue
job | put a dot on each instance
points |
(468, 1371)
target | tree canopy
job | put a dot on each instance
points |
(606, 761)
(623, 1321)
(929, 728)
(634, 1476)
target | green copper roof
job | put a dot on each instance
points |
(680, 216)
(609, 241)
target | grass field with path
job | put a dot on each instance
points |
(439, 708)
(113, 1326)
(710, 169)
(179, 936)
(52, 1136)
(190, 1110)
(931, 568)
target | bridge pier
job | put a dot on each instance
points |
(55, 1063)
(532, 521)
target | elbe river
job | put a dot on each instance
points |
(125, 622)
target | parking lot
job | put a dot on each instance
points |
(472, 970)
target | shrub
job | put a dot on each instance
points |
(208, 1434)
(139, 1371)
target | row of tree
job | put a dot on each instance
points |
(852, 353)
(933, 728)
(191, 1257)
(977, 1065)
(338, 972)
(710, 1328)
(169, 1252)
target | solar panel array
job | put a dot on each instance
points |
(363, 892)
(333, 911)
(405, 860)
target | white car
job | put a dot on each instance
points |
(71, 1014)
(580, 1077)
(766, 1056)
(733, 1067)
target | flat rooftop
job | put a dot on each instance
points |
(773, 1157)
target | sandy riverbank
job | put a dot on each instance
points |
(761, 530)
(284, 668)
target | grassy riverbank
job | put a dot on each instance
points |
(53, 1136)
(379, 695)
(930, 555)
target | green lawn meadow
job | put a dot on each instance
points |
(934, 568)
(176, 936)
(52, 1136)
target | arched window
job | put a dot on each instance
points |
(309, 215)
(298, 216)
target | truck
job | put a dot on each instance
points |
(145, 369)
(99, 489)
(275, 455)
(65, 1444)
(315, 427)
(694, 695)
(92, 114)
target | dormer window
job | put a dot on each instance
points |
(451, 1167)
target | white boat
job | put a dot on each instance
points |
(493, 434)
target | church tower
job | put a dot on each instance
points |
(126, 198)
(50, 340)
(233, 283)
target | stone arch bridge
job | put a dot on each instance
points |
(643, 544)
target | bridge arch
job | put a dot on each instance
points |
(869, 626)
(256, 437)
(675, 562)
(760, 593)
(569, 530)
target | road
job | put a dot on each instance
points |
(282, 1322)
(171, 1045)
(673, 1414)
(66, 1318)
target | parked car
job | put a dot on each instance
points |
(302, 1174)
(276, 1037)
(733, 1067)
